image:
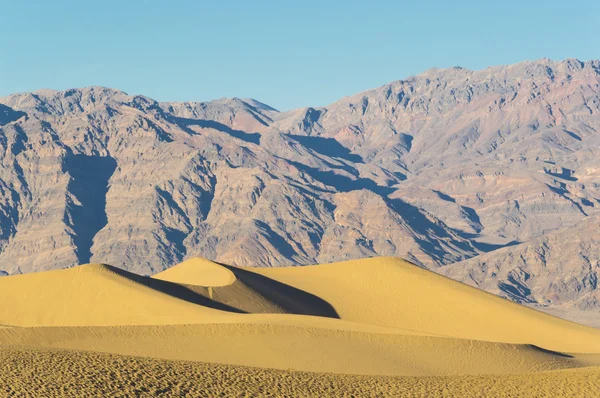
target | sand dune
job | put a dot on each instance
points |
(391, 292)
(246, 291)
(377, 317)
(98, 295)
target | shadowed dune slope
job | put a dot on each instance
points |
(247, 291)
(216, 282)
(243, 290)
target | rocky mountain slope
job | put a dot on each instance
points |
(437, 168)
(558, 270)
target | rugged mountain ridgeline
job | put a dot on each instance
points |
(438, 168)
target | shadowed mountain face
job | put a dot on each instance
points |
(437, 169)
(8, 115)
(85, 213)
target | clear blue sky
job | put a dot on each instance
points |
(287, 54)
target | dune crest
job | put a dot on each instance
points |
(198, 271)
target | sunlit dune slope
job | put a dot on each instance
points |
(198, 271)
(306, 348)
(97, 294)
(391, 292)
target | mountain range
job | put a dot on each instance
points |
(490, 177)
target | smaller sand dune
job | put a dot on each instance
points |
(244, 290)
